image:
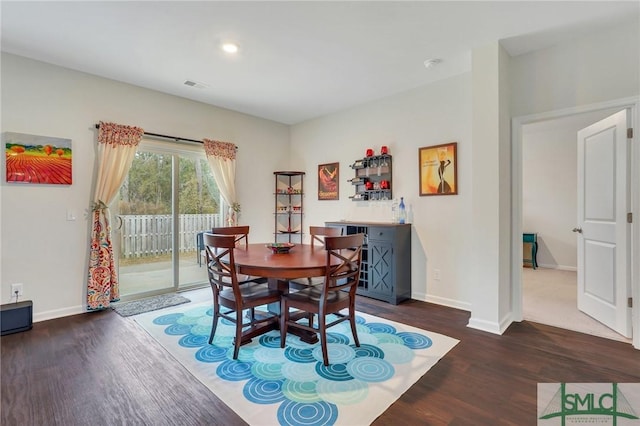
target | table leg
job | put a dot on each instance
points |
(283, 287)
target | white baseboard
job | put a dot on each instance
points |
(59, 313)
(483, 325)
(451, 303)
(560, 267)
(488, 326)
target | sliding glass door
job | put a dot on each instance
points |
(167, 200)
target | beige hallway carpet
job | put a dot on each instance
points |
(550, 297)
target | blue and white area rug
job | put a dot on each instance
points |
(291, 386)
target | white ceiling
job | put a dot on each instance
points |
(297, 60)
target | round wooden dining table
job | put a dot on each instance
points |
(303, 260)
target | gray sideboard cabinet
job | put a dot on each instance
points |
(385, 273)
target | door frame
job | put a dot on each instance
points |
(517, 124)
(189, 150)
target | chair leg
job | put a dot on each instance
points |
(322, 327)
(284, 317)
(238, 340)
(214, 325)
(216, 317)
(352, 320)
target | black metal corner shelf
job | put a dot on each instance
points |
(288, 206)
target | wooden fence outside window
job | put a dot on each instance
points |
(151, 235)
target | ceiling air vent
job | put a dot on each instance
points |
(195, 84)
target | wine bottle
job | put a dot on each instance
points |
(402, 212)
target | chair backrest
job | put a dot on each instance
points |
(347, 250)
(221, 273)
(200, 241)
(319, 233)
(239, 232)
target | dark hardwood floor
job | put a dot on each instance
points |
(102, 369)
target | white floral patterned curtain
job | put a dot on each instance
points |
(222, 161)
(117, 145)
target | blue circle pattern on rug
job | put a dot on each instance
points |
(296, 378)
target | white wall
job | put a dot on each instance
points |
(491, 200)
(431, 115)
(47, 253)
(549, 194)
(597, 68)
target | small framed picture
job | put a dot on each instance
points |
(438, 166)
(328, 181)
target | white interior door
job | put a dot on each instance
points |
(603, 232)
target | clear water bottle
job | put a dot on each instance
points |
(394, 211)
(402, 212)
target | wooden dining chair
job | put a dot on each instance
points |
(338, 292)
(241, 236)
(241, 233)
(317, 234)
(230, 298)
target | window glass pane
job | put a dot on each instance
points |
(147, 188)
(145, 235)
(198, 201)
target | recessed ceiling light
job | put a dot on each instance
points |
(430, 63)
(230, 47)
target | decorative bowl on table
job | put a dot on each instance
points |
(277, 248)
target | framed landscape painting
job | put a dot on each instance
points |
(438, 169)
(37, 159)
(328, 175)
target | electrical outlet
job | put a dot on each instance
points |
(436, 274)
(16, 287)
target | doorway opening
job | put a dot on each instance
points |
(539, 161)
(168, 198)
